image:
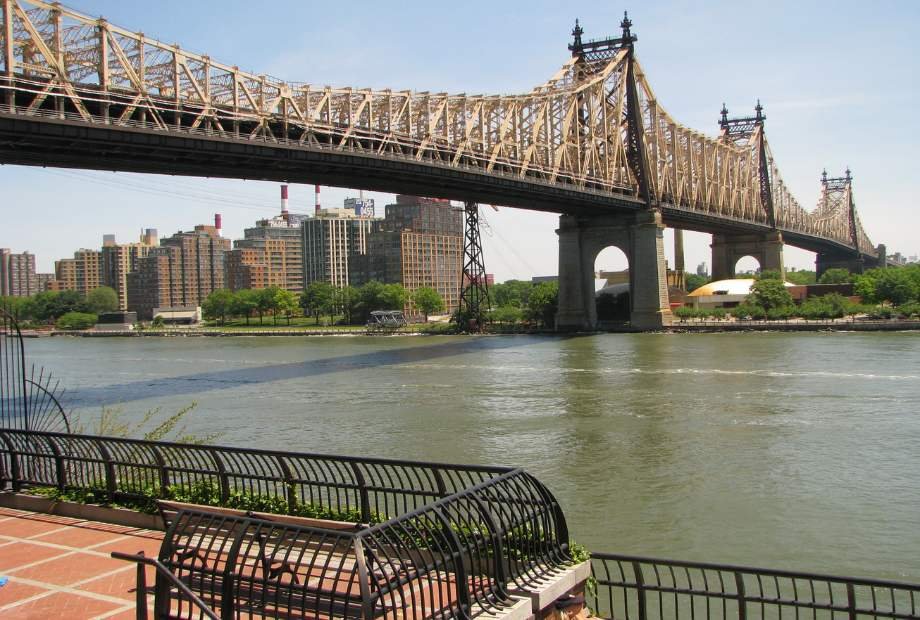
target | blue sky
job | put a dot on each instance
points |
(838, 82)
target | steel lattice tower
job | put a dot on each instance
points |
(474, 295)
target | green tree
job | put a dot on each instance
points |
(507, 315)
(542, 303)
(770, 294)
(102, 299)
(768, 274)
(694, 281)
(511, 293)
(286, 303)
(370, 299)
(802, 277)
(265, 302)
(428, 300)
(218, 305)
(243, 303)
(348, 301)
(318, 299)
(76, 320)
(50, 305)
(837, 275)
(394, 296)
(897, 285)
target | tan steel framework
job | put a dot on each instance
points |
(596, 125)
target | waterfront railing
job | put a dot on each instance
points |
(638, 588)
(491, 530)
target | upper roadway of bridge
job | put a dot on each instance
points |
(76, 91)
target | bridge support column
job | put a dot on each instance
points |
(727, 250)
(831, 260)
(641, 238)
(576, 309)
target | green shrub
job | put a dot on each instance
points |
(686, 312)
(831, 306)
(909, 310)
(76, 320)
(881, 312)
(749, 311)
(717, 313)
(780, 313)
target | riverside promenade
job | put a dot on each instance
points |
(60, 567)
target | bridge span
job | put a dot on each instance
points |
(592, 143)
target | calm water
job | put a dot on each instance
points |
(792, 451)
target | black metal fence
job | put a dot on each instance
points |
(29, 397)
(436, 533)
(119, 470)
(637, 588)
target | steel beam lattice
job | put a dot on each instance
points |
(595, 126)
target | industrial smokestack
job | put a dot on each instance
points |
(284, 199)
(317, 200)
(217, 222)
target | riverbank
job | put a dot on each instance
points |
(686, 326)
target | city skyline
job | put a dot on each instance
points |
(823, 113)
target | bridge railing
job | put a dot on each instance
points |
(639, 588)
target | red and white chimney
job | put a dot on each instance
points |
(284, 199)
(317, 200)
(217, 222)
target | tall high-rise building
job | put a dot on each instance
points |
(120, 259)
(270, 254)
(419, 243)
(183, 271)
(17, 274)
(332, 241)
(82, 273)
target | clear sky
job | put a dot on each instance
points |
(838, 81)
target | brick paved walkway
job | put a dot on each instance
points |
(58, 567)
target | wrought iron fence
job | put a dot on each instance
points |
(29, 397)
(638, 588)
(129, 470)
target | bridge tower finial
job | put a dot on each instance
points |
(626, 24)
(576, 45)
(758, 109)
(848, 177)
(824, 177)
(724, 120)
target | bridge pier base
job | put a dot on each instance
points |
(641, 238)
(727, 250)
(829, 260)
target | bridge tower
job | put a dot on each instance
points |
(474, 292)
(728, 249)
(837, 197)
(640, 235)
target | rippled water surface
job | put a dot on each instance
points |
(797, 451)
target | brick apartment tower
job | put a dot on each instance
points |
(120, 259)
(420, 243)
(270, 254)
(17, 274)
(183, 271)
(82, 273)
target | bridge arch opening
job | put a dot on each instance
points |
(747, 266)
(611, 285)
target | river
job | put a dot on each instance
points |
(797, 451)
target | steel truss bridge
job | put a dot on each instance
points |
(76, 91)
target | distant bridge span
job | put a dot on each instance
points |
(592, 142)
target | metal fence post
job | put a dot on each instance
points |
(60, 472)
(161, 470)
(742, 603)
(110, 482)
(222, 476)
(14, 464)
(640, 590)
(851, 601)
(289, 493)
(464, 599)
(364, 497)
